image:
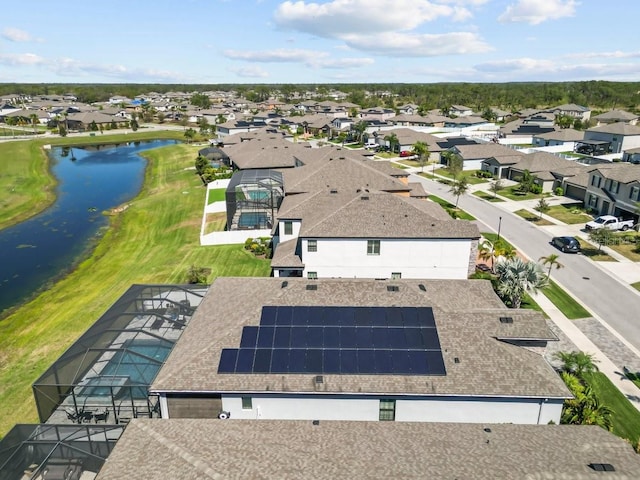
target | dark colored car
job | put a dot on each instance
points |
(566, 244)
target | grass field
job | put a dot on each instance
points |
(626, 418)
(217, 195)
(451, 209)
(565, 303)
(27, 188)
(532, 217)
(590, 250)
(571, 213)
(155, 240)
(487, 196)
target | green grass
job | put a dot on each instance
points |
(27, 187)
(397, 165)
(513, 194)
(636, 285)
(591, 251)
(471, 178)
(487, 196)
(530, 304)
(627, 244)
(626, 418)
(532, 217)
(451, 209)
(155, 240)
(571, 213)
(217, 195)
(493, 238)
(565, 302)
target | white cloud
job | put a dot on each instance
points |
(250, 71)
(16, 35)
(535, 12)
(616, 54)
(310, 58)
(414, 45)
(23, 59)
(340, 17)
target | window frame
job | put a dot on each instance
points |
(247, 403)
(288, 227)
(312, 275)
(387, 410)
(373, 247)
(312, 245)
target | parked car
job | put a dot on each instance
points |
(610, 222)
(406, 153)
(566, 244)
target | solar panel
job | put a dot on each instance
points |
(338, 340)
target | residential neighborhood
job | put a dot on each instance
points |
(401, 307)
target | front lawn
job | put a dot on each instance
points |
(471, 178)
(627, 244)
(564, 302)
(636, 285)
(532, 217)
(487, 196)
(591, 251)
(626, 418)
(571, 213)
(513, 193)
(451, 209)
(217, 195)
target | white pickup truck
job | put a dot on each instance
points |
(610, 222)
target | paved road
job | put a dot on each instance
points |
(615, 304)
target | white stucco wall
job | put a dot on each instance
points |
(413, 258)
(441, 409)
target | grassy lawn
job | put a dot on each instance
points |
(626, 418)
(627, 244)
(571, 213)
(471, 178)
(532, 217)
(513, 194)
(27, 188)
(590, 250)
(215, 222)
(636, 285)
(217, 195)
(487, 196)
(398, 165)
(565, 302)
(451, 209)
(155, 240)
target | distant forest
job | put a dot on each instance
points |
(597, 95)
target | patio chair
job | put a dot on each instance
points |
(72, 414)
(101, 415)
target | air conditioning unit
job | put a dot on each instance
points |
(224, 415)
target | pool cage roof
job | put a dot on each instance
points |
(56, 451)
(108, 370)
(255, 195)
(263, 177)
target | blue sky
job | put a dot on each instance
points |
(333, 41)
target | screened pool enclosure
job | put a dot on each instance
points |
(105, 375)
(253, 198)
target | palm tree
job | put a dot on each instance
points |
(552, 261)
(577, 363)
(393, 141)
(459, 187)
(517, 277)
(421, 149)
(585, 407)
(488, 250)
(360, 128)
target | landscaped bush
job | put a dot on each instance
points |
(258, 246)
(483, 174)
(535, 188)
(559, 191)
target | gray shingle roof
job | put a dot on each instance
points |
(618, 128)
(539, 162)
(616, 115)
(182, 449)
(466, 313)
(351, 214)
(485, 150)
(265, 152)
(285, 255)
(563, 135)
(621, 172)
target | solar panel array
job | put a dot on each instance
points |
(338, 340)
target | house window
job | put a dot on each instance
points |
(387, 410)
(373, 247)
(312, 275)
(634, 195)
(396, 275)
(595, 181)
(593, 201)
(312, 245)
(615, 186)
(247, 404)
(288, 228)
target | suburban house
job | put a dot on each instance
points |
(184, 449)
(355, 349)
(408, 109)
(377, 113)
(523, 130)
(232, 127)
(83, 121)
(566, 136)
(614, 189)
(614, 116)
(632, 156)
(265, 151)
(546, 167)
(460, 111)
(465, 122)
(408, 137)
(474, 156)
(366, 234)
(572, 110)
(619, 136)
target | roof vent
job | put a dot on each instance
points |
(488, 430)
(602, 467)
(456, 360)
(316, 422)
(506, 319)
(312, 287)
(333, 190)
(284, 284)
(341, 158)
(393, 288)
(422, 287)
(319, 379)
(364, 197)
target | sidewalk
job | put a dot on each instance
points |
(623, 270)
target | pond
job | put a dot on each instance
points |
(91, 180)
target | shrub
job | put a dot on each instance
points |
(535, 188)
(559, 191)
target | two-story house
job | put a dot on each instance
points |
(619, 136)
(614, 189)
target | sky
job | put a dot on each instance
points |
(318, 42)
